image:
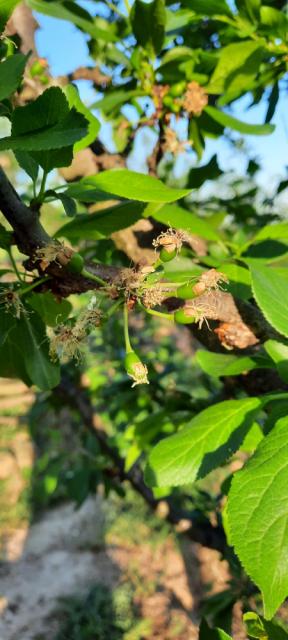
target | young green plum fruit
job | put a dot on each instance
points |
(76, 264)
(177, 89)
(167, 256)
(181, 318)
(185, 292)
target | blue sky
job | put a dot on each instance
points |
(65, 48)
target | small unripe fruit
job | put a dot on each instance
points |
(177, 89)
(76, 263)
(167, 256)
(176, 107)
(130, 360)
(181, 318)
(168, 101)
(136, 369)
(185, 292)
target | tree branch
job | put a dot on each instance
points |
(202, 531)
(242, 325)
(30, 235)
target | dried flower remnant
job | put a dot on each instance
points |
(53, 252)
(195, 99)
(208, 281)
(171, 240)
(66, 344)
(153, 296)
(128, 279)
(136, 369)
(11, 302)
(139, 374)
(172, 143)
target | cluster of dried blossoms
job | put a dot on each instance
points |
(195, 99)
(53, 252)
(67, 342)
(172, 144)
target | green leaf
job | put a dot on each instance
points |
(279, 354)
(148, 22)
(11, 72)
(11, 357)
(74, 100)
(272, 102)
(211, 437)
(132, 185)
(250, 8)
(24, 353)
(257, 627)
(254, 624)
(69, 205)
(234, 62)
(222, 364)
(180, 218)
(270, 289)
(199, 175)
(5, 238)
(272, 232)
(206, 633)
(116, 99)
(239, 284)
(101, 224)
(258, 517)
(28, 164)
(275, 21)
(196, 137)
(6, 324)
(233, 123)
(211, 7)
(31, 337)
(45, 124)
(6, 9)
(72, 13)
(51, 311)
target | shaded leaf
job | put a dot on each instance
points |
(51, 311)
(198, 175)
(96, 225)
(206, 633)
(148, 22)
(11, 72)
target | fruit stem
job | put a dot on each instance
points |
(126, 330)
(159, 314)
(92, 276)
